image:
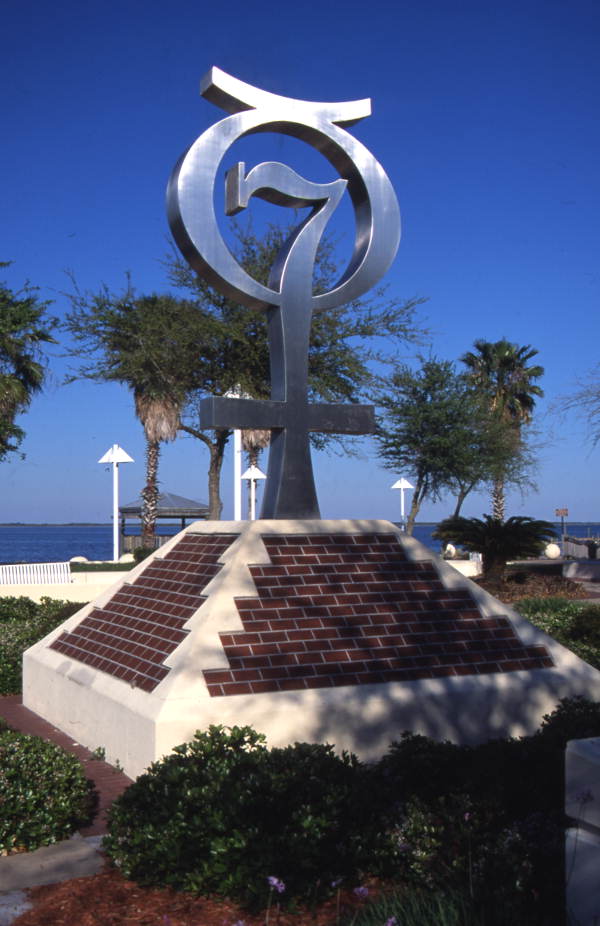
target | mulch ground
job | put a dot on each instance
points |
(107, 899)
(531, 585)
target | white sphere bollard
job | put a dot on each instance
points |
(552, 551)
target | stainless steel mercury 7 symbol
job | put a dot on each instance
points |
(288, 298)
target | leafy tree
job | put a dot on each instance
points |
(187, 348)
(586, 403)
(499, 371)
(344, 343)
(436, 426)
(497, 540)
(24, 329)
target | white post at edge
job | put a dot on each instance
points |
(253, 473)
(115, 455)
(237, 475)
(237, 393)
(402, 484)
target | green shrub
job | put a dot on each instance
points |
(13, 608)
(44, 795)
(456, 846)
(24, 623)
(223, 813)
(102, 567)
(140, 553)
(586, 624)
(572, 719)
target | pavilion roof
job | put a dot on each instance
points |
(169, 506)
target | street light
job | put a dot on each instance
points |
(237, 393)
(402, 484)
(252, 474)
(115, 455)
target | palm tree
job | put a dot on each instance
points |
(498, 541)
(499, 371)
(23, 331)
(159, 415)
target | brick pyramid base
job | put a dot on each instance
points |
(341, 631)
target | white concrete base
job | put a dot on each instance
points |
(582, 865)
(587, 570)
(136, 727)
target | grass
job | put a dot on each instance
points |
(416, 907)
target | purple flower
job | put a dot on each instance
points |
(467, 817)
(361, 892)
(392, 921)
(275, 884)
(337, 882)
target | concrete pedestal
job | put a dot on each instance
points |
(346, 632)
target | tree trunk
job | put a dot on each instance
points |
(460, 498)
(415, 505)
(498, 499)
(493, 568)
(150, 493)
(216, 450)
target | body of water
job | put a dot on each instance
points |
(50, 543)
(57, 543)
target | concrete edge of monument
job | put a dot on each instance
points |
(198, 674)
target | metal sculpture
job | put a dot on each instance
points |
(288, 298)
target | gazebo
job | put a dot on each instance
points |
(170, 507)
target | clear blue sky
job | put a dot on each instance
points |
(485, 117)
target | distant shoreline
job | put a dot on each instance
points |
(109, 523)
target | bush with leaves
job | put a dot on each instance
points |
(223, 813)
(486, 821)
(457, 846)
(44, 795)
(23, 623)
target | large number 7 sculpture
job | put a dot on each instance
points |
(288, 297)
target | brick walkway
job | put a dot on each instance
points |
(109, 782)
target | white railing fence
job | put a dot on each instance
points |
(35, 574)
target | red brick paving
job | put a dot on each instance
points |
(132, 635)
(351, 609)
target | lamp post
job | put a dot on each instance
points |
(402, 484)
(237, 393)
(115, 455)
(252, 474)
